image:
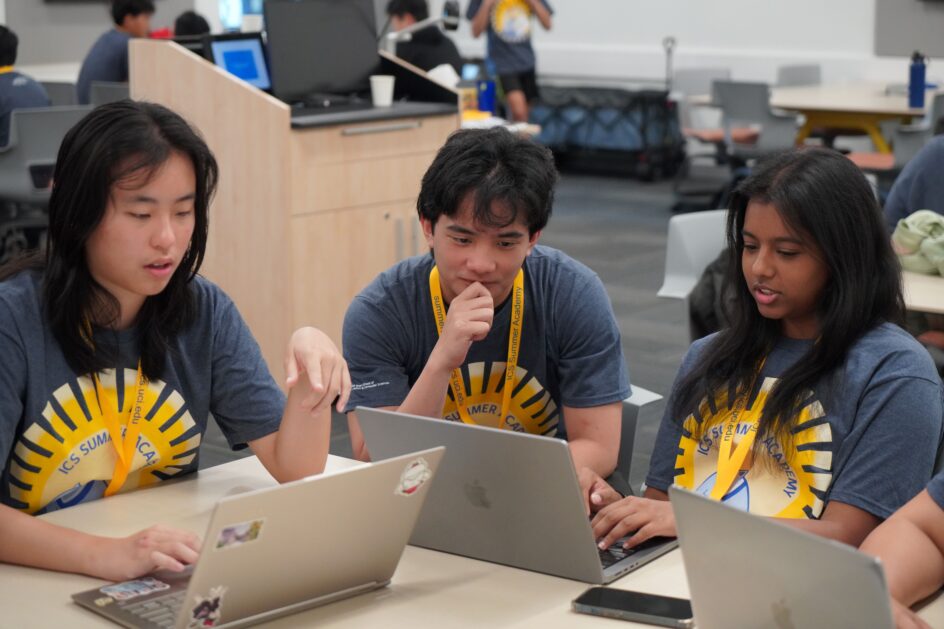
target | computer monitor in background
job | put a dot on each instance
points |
(321, 48)
(193, 43)
(242, 55)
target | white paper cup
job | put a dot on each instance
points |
(381, 90)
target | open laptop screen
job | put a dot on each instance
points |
(243, 56)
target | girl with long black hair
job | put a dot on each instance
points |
(813, 407)
(115, 352)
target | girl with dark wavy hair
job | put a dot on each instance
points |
(115, 351)
(814, 406)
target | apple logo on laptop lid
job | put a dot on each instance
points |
(477, 494)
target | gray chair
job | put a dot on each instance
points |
(694, 241)
(798, 75)
(695, 82)
(61, 93)
(745, 103)
(26, 163)
(631, 405)
(702, 177)
(102, 92)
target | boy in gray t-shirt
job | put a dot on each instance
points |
(439, 335)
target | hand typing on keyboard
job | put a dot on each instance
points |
(596, 492)
(648, 517)
(154, 548)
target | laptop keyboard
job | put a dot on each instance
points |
(161, 611)
(617, 553)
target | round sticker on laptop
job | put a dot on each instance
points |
(414, 476)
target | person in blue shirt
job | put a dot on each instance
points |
(918, 186)
(17, 91)
(507, 24)
(107, 60)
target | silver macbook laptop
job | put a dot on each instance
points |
(505, 497)
(746, 571)
(279, 550)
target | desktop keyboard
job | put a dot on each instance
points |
(303, 112)
(158, 612)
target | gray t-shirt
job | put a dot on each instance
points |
(509, 34)
(18, 91)
(867, 438)
(570, 348)
(55, 449)
(107, 60)
(919, 186)
(936, 489)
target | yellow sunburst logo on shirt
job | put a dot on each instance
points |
(511, 20)
(532, 408)
(71, 459)
(784, 484)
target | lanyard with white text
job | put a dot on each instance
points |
(514, 343)
(130, 420)
(730, 464)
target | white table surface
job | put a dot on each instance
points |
(923, 293)
(429, 589)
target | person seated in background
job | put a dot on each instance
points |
(17, 91)
(428, 47)
(919, 186)
(107, 60)
(813, 406)
(437, 335)
(116, 351)
(911, 546)
(190, 23)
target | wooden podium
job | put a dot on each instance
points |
(303, 219)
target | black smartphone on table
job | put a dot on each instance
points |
(636, 606)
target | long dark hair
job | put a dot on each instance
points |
(114, 142)
(825, 199)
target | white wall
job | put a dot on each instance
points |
(210, 9)
(61, 33)
(622, 38)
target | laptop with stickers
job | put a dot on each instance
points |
(279, 550)
(503, 496)
(745, 571)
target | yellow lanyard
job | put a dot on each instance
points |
(125, 445)
(6, 69)
(514, 343)
(730, 464)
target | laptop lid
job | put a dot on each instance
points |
(242, 55)
(502, 496)
(278, 550)
(746, 571)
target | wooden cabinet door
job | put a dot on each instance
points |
(336, 254)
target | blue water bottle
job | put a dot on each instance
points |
(916, 80)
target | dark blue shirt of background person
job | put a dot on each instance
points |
(107, 60)
(17, 91)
